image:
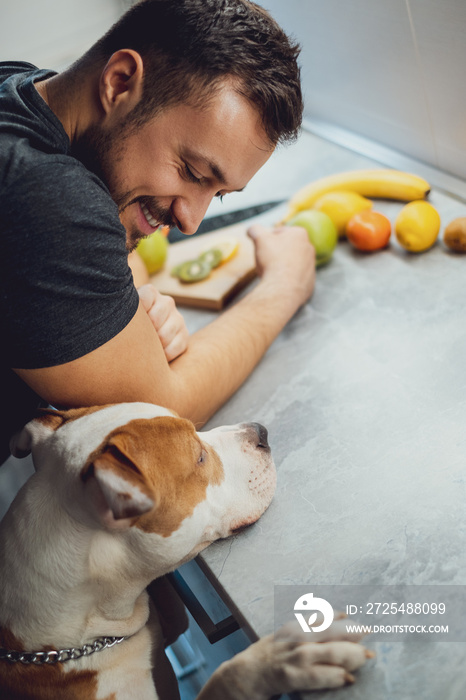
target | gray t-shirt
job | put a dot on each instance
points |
(66, 287)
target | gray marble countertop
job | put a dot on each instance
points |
(364, 397)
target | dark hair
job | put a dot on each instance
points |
(189, 48)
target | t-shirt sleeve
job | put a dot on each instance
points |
(67, 287)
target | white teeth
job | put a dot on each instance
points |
(149, 218)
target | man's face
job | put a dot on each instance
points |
(167, 171)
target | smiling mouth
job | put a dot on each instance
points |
(149, 218)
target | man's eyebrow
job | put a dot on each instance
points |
(216, 171)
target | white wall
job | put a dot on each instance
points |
(52, 33)
(390, 70)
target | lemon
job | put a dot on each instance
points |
(417, 226)
(227, 246)
(153, 250)
(341, 206)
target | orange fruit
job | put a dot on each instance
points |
(369, 230)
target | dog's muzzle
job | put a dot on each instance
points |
(257, 434)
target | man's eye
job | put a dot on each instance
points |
(190, 175)
(220, 196)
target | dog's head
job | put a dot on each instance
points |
(141, 473)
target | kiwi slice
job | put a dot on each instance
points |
(175, 270)
(193, 270)
(213, 256)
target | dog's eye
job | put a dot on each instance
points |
(202, 458)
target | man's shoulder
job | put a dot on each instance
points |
(9, 68)
(36, 167)
(40, 181)
(28, 127)
(54, 193)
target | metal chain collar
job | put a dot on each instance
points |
(53, 656)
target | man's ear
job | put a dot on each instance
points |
(117, 490)
(120, 86)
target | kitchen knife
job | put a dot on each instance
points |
(222, 220)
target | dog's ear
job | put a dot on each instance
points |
(38, 429)
(117, 489)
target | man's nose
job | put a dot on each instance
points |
(189, 213)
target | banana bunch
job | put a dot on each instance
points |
(383, 184)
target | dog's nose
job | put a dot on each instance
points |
(262, 435)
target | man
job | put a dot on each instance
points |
(179, 102)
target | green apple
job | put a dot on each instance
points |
(153, 250)
(321, 230)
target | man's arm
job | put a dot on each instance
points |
(133, 367)
(138, 268)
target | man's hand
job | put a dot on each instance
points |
(166, 319)
(285, 256)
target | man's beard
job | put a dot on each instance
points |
(99, 151)
(160, 214)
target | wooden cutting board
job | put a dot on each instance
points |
(223, 282)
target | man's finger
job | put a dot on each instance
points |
(170, 328)
(256, 231)
(161, 312)
(176, 347)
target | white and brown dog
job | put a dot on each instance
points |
(123, 494)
